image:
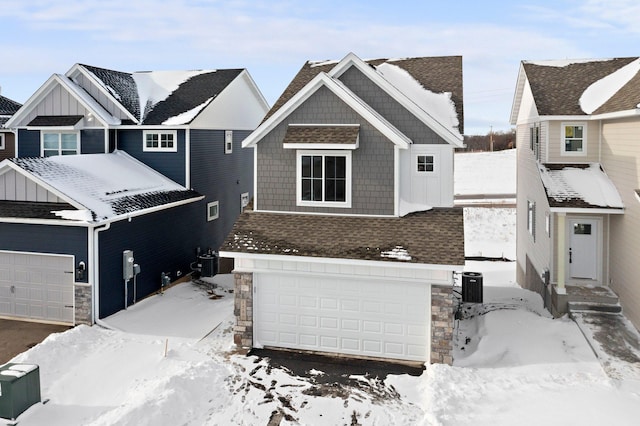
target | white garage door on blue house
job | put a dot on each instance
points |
(37, 286)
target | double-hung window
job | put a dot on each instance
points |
(324, 178)
(535, 141)
(574, 138)
(59, 143)
(531, 219)
(161, 141)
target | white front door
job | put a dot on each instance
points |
(583, 248)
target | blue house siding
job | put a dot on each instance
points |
(92, 141)
(70, 240)
(170, 164)
(160, 242)
(220, 177)
(28, 143)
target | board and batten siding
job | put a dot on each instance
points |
(97, 94)
(50, 239)
(372, 177)
(220, 177)
(621, 161)
(170, 164)
(389, 108)
(16, 187)
(58, 102)
(163, 241)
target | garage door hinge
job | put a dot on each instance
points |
(68, 272)
(68, 306)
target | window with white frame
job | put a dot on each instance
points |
(2, 141)
(244, 200)
(161, 141)
(547, 223)
(324, 178)
(425, 163)
(531, 218)
(574, 138)
(213, 210)
(534, 143)
(228, 141)
(59, 143)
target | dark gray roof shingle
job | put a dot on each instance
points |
(31, 209)
(55, 120)
(321, 134)
(7, 106)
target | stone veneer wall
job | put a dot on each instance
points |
(83, 304)
(243, 309)
(442, 322)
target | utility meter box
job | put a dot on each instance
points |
(127, 265)
(19, 389)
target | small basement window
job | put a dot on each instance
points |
(160, 141)
(213, 211)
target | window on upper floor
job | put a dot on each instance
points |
(425, 164)
(574, 138)
(59, 143)
(534, 141)
(213, 210)
(160, 141)
(228, 141)
(531, 218)
(324, 178)
(2, 141)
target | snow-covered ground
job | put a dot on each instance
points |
(170, 360)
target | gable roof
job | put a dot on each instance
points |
(580, 87)
(154, 97)
(434, 237)
(579, 186)
(102, 187)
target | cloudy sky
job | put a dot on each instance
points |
(273, 38)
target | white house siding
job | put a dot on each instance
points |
(57, 102)
(621, 160)
(100, 96)
(16, 187)
(431, 188)
(530, 188)
(554, 155)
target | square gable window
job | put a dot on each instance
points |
(59, 143)
(424, 164)
(324, 178)
(574, 138)
(159, 141)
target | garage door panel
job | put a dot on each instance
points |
(348, 315)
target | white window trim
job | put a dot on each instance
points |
(145, 148)
(563, 151)
(531, 218)
(211, 217)
(59, 132)
(228, 141)
(2, 147)
(304, 203)
(425, 154)
(244, 200)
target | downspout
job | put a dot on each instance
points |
(96, 275)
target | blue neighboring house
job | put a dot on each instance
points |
(84, 142)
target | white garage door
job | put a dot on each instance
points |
(36, 286)
(384, 319)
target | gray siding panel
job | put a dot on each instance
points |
(28, 143)
(220, 177)
(389, 108)
(372, 163)
(70, 240)
(170, 164)
(92, 141)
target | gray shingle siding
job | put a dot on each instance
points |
(71, 240)
(170, 164)
(220, 177)
(372, 163)
(160, 243)
(28, 143)
(389, 108)
(92, 141)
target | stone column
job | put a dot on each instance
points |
(243, 309)
(83, 302)
(442, 322)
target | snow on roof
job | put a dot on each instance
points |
(186, 116)
(602, 90)
(590, 184)
(322, 63)
(101, 183)
(156, 86)
(439, 105)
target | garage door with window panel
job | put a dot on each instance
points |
(36, 286)
(362, 317)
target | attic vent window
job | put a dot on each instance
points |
(425, 163)
(164, 141)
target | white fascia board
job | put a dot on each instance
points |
(54, 222)
(617, 114)
(352, 60)
(517, 95)
(88, 102)
(339, 261)
(8, 164)
(255, 89)
(32, 102)
(99, 84)
(323, 80)
(570, 210)
(159, 127)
